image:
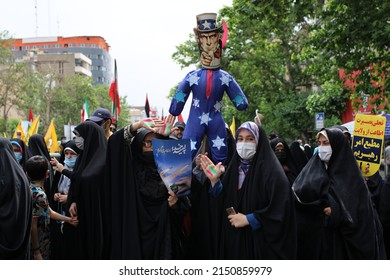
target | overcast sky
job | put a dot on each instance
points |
(142, 35)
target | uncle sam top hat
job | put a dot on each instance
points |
(207, 22)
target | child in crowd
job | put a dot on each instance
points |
(37, 170)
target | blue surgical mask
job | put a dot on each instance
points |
(70, 162)
(18, 156)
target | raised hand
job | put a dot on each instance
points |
(212, 171)
(167, 128)
(153, 124)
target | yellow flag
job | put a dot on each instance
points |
(233, 127)
(19, 130)
(33, 127)
(51, 139)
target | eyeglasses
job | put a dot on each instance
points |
(147, 143)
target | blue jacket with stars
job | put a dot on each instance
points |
(205, 117)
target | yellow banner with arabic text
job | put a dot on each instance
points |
(367, 144)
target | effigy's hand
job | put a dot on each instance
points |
(205, 59)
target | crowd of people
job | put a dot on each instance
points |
(105, 199)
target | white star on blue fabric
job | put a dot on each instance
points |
(225, 80)
(206, 25)
(218, 143)
(193, 79)
(193, 145)
(179, 96)
(195, 102)
(205, 118)
(238, 100)
(218, 106)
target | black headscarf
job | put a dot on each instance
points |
(298, 155)
(290, 166)
(15, 206)
(267, 194)
(350, 231)
(87, 186)
(37, 147)
(70, 144)
(151, 187)
(24, 149)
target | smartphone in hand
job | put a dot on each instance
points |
(230, 211)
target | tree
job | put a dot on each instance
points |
(12, 78)
(353, 35)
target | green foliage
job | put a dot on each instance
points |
(10, 127)
(5, 51)
(124, 117)
(330, 100)
(353, 35)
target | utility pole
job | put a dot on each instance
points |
(36, 18)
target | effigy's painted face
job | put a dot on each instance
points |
(210, 48)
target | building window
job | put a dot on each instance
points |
(78, 62)
(61, 67)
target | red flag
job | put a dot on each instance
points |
(114, 95)
(225, 33)
(147, 107)
(180, 118)
(30, 116)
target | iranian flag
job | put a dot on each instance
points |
(85, 111)
(114, 95)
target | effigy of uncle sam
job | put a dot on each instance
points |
(208, 86)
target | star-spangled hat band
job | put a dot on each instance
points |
(207, 22)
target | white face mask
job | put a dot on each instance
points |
(325, 152)
(79, 141)
(246, 150)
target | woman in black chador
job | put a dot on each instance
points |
(61, 184)
(141, 206)
(20, 150)
(335, 215)
(85, 192)
(285, 157)
(15, 206)
(261, 222)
